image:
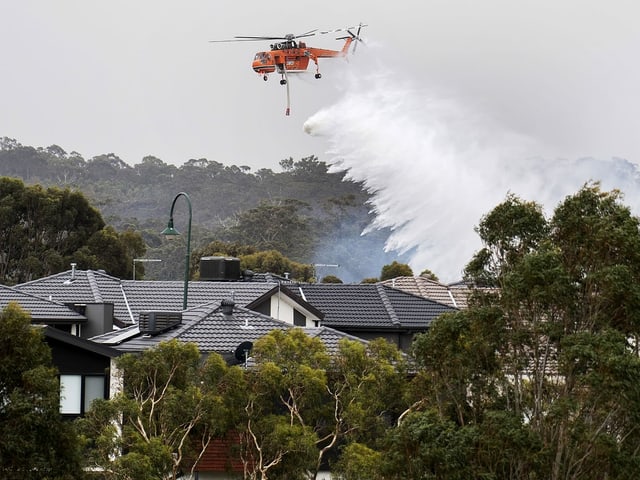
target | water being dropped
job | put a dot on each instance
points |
(434, 168)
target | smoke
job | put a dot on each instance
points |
(434, 167)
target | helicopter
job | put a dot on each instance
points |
(288, 54)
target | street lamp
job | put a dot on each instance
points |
(142, 260)
(171, 232)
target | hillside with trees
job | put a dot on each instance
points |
(230, 204)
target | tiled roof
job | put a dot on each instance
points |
(130, 297)
(424, 287)
(353, 306)
(213, 331)
(41, 310)
(168, 295)
(75, 286)
(370, 306)
(330, 337)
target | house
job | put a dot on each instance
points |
(371, 311)
(225, 317)
(44, 311)
(84, 366)
(221, 327)
(85, 370)
(364, 310)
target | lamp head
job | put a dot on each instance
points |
(170, 232)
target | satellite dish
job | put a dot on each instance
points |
(242, 351)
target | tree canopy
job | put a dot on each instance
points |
(36, 442)
(293, 409)
(539, 377)
(42, 231)
(395, 269)
(172, 406)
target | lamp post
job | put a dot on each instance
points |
(141, 260)
(171, 232)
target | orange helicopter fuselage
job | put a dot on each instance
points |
(293, 57)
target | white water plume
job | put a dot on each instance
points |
(434, 168)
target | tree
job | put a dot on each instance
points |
(542, 367)
(43, 230)
(318, 402)
(275, 226)
(335, 210)
(269, 261)
(113, 250)
(172, 406)
(330, 279)
(359, 462)
(395, 269)
(36, 442)
(285, 392)
(426, 273)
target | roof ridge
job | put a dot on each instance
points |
(387, 304)
(39, 280)
(421, 286)
(93, 284)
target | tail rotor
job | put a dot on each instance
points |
(355, 37)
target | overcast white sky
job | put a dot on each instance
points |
(139, 77)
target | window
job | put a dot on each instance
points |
(78, 391)
(70, 393)
(299, 320)
(93, 389)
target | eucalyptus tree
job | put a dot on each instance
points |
(542, 371)
(305, 405)
(172, 406)
(36, 442)
(43, 230)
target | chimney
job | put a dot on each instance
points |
(73, 271)
(227, 307)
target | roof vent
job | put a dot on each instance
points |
(220, 269)
(247, 275)
(154, 323)
(72, 279)
(227, 306)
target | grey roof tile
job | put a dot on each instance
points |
(350, 306)
(40, 309)
(130, 297)
(371, 306)
(73, 286)
(168, 295)
(213, 331)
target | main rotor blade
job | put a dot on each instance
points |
(310, 33)
(257, 38)
(239, 40)
(345, 29)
